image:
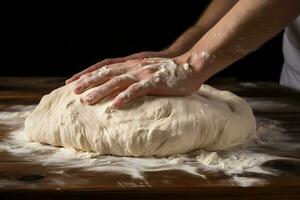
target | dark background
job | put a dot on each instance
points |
(52, 39)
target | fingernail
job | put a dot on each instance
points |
(111, 109)
(78, 88)
(115, 104)
(87, 99)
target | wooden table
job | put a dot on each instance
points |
(31, 180)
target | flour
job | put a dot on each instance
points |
(103, 71)
(208, 119)
(248, 181)
(202, 56)
(165, 71)
(248, 84)
(146, 84)
(233, 162)
(205, 55)
(169, 72)
(10, 112)
(264, 104)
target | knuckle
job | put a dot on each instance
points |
(122, 69)
(124, 95)
(84, 77)
(87, 79)
(100, 90)
(135, 87)
(127, 77)
(119, 79)
(104, 71)
(88, 75)
(151, 69)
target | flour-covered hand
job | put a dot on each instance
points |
(145, 54)
(135, 78)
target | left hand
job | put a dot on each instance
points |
(135, 78)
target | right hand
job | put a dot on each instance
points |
(141, 55)
(135, 78)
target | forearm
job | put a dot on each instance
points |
(214, 12)
(242, 30)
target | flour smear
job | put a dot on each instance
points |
(233, 162)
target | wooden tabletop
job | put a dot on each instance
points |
(24, 179)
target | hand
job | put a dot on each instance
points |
(135, 78)
(141, 55)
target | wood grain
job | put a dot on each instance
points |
(28, 180)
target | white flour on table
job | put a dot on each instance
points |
(232, 162)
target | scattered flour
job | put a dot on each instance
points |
(232, 162)
(248, 84)
(263, 104)
(248, 181)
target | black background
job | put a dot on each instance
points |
(54, 39)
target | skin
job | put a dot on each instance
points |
(227, 31)
(130, 80)
(184, 42)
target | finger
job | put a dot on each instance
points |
(132, 92)
(108, 62)
(140, 55)
(145, 54)
(110, 87)
(94, 67)
(97, 77)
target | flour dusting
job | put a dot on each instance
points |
(166, 70)
(265, 104)
(233, 162)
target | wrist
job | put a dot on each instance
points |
(169, 53)
(199, 66)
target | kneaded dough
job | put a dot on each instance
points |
(209, 119)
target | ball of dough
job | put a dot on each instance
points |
(209, 119)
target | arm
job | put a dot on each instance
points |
(242, 30)
(216, 10)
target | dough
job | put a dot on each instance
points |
(209, 119)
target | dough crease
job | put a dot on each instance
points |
(209, 119)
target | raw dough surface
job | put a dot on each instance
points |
(209, 119)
